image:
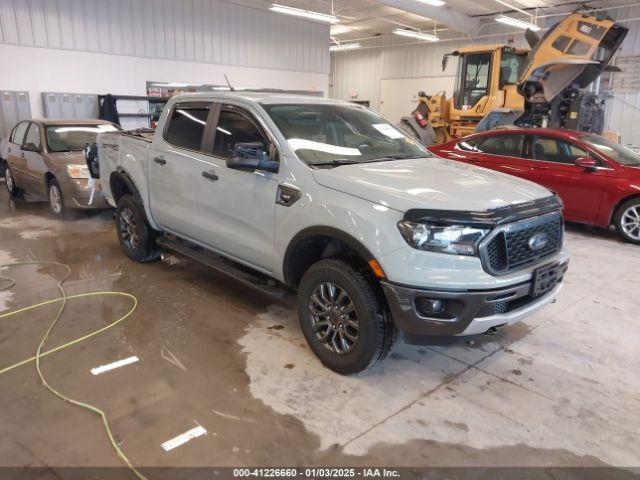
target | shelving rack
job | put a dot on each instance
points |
(152, 109)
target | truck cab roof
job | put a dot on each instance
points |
(264, 98)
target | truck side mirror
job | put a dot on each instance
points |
(252, 156)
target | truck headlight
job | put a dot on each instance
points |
(454, 239)
(78, 171)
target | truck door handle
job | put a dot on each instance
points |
(540, 167)
(211, 175)
(160, 161)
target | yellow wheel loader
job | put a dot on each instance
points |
(500, 85)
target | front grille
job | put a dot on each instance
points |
(508, 248)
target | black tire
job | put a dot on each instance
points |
(10, 182)
(627, 221)
(376, 332)
(136, 237)
(56, 198)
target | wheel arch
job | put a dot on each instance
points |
(121, 184)
(621, 202)
(48, 177)
(319, 242)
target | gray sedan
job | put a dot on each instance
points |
(45, 158)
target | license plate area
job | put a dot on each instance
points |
(545, 279)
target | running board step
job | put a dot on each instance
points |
(263, 284)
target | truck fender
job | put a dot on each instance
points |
(321, 231)
(121, 175)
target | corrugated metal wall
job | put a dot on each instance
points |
(209, 31)
(360, 71)
(623, 109)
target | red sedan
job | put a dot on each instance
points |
(597, 179)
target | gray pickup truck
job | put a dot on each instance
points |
(327, 199)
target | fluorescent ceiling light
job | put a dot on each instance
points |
(434, 3)
(414, 34)
(344, 46)
(176, 85)
(323, 17)
(514, 22)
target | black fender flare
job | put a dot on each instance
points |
(321, 231)
(124, 176)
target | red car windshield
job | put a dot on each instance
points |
(618, 153)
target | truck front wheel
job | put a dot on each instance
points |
(136, 237)
(343, 317)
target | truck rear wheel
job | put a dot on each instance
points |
(343, 317)
(136, 237)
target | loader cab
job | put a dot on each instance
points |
(483, 73)
(486, 78)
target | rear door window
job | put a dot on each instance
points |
(187, 124)
(508, 145)
(18, 133)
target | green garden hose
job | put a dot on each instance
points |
(40, 353)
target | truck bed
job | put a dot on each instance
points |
(125, 151)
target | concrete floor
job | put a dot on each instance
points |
(561, 389)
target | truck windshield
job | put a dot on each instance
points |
(337, 134)
(66, 138)
(616, 152)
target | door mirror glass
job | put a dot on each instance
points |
(586, 162)
(30, 147)
(251, 156)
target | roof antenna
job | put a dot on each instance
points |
(229, 83)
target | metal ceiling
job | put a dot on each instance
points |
(364, 20)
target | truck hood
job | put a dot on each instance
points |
(433, 183)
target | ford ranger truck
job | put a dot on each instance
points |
(328, 199)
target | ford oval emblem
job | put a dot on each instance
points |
(538, 241)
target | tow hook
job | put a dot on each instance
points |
(491, 332)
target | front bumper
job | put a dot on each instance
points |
(465, 312)
(83, 194)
